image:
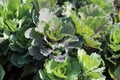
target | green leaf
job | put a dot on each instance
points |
(91, 65)
(50, 66)
(96, 74)
(90, 10)
(20, 60)
(4, 41)
(94, 60)
(85, 31)
(96, 23)
(92, 43)
(12, 24)
(39, 4)
(43, 75)
(117, 72)
(32, 34)
(35, 52)
(107, 5)
(1, 23)
(25, 59)
(2, 73)
(45, 51)
(68, 29)
(13, 7)
(14, 59)
(15, 44)
(42, 26)
(25, 9)
(45, 15)
(73, 73)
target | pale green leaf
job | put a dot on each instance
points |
(89, 62)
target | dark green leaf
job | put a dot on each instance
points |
(35, 52)
(2, 73)
(117, 72)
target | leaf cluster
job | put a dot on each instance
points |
(59, 40)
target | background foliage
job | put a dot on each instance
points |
(59, 39)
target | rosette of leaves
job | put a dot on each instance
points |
(89, 24)
(112, 55)
(15, 19)
(67, 70)
(52, 37)
(115, 38)
(84, 67)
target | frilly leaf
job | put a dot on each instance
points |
(45, 15)
(94, 60)
(90, 10)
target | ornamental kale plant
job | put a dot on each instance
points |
(112, 52)
(51, 38)
(114, 38)
(74, 68)
(14, 22)
(90, 24)
(15, 18)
